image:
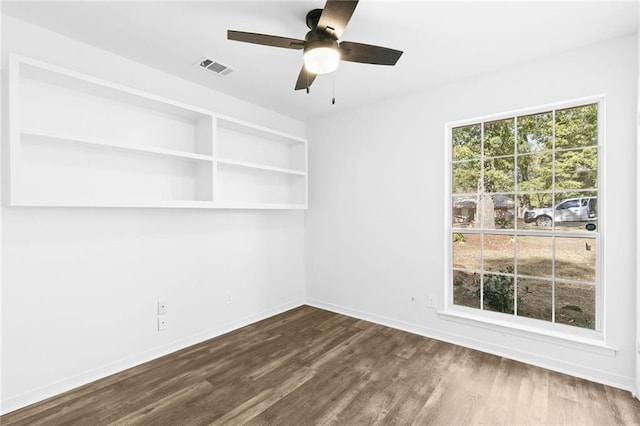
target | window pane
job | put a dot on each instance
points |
(497, 293)
(576, 305)
(575, 210)
(576, 169)
(577, 127)
(498, 175)
(535, 299)
(466, 142)
(503, 211)
(576, 259)
(495, 211)
(463, 211)
(465, 177)
(498, 253)
(535, 172)
(535, 133)
(535, 256)
(466, 289)
(499, 138)
(536, 211)
(466, 251)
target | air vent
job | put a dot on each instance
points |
(215, 66)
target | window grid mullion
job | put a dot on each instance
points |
(553, 222)
(480, 193)
(515, 216)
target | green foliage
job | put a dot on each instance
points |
(577, 169)
(498, 175)
(577, 127)
(534, 172)
(466, 142)
(499, 138)
(502, 221)
(459, 238)
(498, 291)
(465, 177)
(535, 133)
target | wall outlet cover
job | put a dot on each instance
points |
(163, 324)
(163, 307)
(431, 301)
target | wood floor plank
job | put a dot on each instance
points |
(453, 401)
(431, 366)
(534, 387)
(263, 401)
(373, 401)
(309, 366)
(505, 379)
(185, 406)
(626, 410)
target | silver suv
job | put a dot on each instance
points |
(571, 210)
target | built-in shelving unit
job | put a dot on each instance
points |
(76, 140)
(258, 165)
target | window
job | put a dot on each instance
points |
(524, 233)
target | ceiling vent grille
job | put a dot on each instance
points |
(215, 66)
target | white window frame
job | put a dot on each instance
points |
(556, 332)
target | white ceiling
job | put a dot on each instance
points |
(442, 41)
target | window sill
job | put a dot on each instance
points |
(548, 336)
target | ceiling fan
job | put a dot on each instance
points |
(322, 48)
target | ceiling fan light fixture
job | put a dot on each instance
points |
(322, 59)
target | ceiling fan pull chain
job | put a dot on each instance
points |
(333, 79)
(307, 74)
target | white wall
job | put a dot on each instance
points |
(374, 236)
(637, 388)
(3, 135)
(79, 286)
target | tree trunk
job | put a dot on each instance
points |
(485, 209)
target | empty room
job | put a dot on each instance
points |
(319, 212)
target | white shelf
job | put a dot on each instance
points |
(240, 126)
(51, 75)
(261, 206)
(150, 150)
(189, 204)
(176, 204)
(260, 166)
(79, 141)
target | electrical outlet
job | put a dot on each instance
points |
(163, 307)
(163, 323)
(228, 298)
(431, 301)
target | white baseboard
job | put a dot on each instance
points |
(594, 375)
(67, 384)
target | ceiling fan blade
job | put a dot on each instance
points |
(266, 40)
(335, 17)
(368, 54)
(305, 78)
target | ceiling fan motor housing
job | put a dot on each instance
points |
(314, 40)
(313, 17)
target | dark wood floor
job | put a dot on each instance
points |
(309, 366)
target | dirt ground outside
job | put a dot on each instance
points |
(575, 260)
